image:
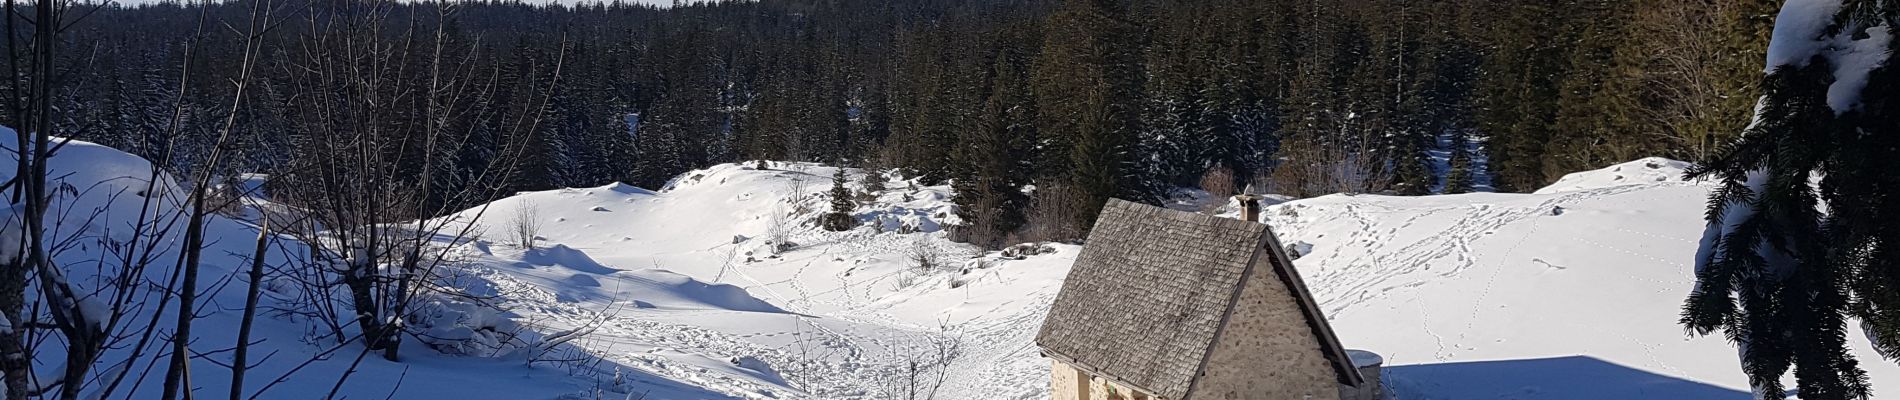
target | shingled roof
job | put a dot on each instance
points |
(1148, 295)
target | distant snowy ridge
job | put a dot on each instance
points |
(1650, 171)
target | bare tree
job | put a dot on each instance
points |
(926, 371)
(260, 22)
(369, 172)
(526, 225)
(783, 220)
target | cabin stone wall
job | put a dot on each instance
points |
(1266, 351)
(1103, 389)
(1069, 383)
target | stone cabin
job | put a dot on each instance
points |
(1172, 305)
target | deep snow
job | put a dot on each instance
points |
(688, 293)
(1569, 292)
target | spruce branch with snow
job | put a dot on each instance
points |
(1802, 230)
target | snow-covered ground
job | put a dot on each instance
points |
(700, 293)
(99, 197)
(1570, 292)
(722, 286)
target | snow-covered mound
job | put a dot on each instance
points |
(89, 177)
(1650, 170)
(1571, 292)
(98, 196)
(724, 280)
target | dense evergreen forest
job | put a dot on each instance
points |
(1080, 99)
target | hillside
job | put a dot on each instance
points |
(98, 211)
(687, 293)
(1571, 292)
(698, 294)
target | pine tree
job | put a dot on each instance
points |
(1776, 273)
(1088, 87)
(1458, 178)
(992, 162)
(840, 219)
(1518, 93)
(1596, 121)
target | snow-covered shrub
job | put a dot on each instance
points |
(924, 258)
(456, 326)
(1298, 249)
(1024, 250)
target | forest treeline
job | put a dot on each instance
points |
(1038, 110)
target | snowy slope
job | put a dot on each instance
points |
(685, 292)
(100, 194)
(693, 291)
(1570, 292)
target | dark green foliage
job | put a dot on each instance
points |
(1105, 98)
(1088, 87)
(873, 182)
(1459, 178)
(992, 161)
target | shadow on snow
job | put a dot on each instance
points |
(1575, 377)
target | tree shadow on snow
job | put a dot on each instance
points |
(1575, 377)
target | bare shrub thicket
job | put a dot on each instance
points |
(525, 226)
(367, 172)
(42, 304)
(783, 221)
(1312, 166)
(1218, 182)
(779, 226)
(925, 370)
(1052, 216)
(923, 258)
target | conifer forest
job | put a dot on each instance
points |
(896, 199)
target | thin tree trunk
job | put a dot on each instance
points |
(240, 361)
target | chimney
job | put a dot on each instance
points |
(1249, 207)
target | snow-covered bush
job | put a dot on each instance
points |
(460, 326)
